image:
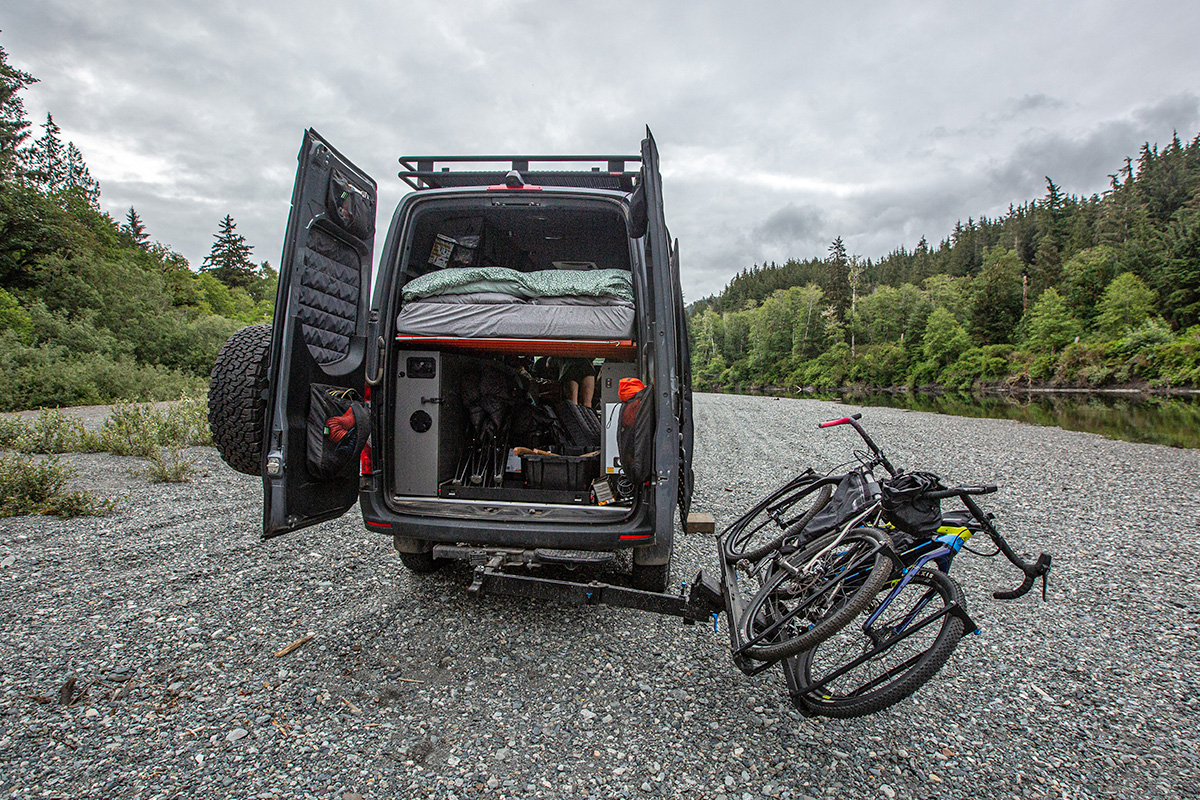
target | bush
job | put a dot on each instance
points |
(924, 373)
(48, 375)
(39, 487)
(188, 421)
(1084, 364)
(1179, 359)
(168, 465)
(15, 318)
(132, 429)
(987, 363)
(11, 430)
(1151, 333)
(138, 429)
(828, 370)
(880, 365)
(53, 432)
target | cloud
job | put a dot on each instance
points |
(1081, 163)
(790, 224)
(1179, 112)
(1031, 103)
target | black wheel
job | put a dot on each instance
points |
(237, 404)
(901, 650)
(781, 516)
(421, 563)
(815, 592)
(651, 577)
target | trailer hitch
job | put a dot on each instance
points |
(699, 601)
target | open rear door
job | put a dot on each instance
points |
(320, 331)
(665, 362)
(687, 434)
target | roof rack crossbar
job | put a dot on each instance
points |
(422, 172)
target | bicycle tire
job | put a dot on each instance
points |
(896, 672)
(737, 543)
(793, 613)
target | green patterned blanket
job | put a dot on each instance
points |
(544, 283)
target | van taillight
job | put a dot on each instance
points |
(364, 459)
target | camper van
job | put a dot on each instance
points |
(470, 396)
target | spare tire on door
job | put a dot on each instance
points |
(237, 403)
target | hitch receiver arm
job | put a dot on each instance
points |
(700, 603)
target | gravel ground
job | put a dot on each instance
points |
(168, 612)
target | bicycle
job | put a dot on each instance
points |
(831, 565)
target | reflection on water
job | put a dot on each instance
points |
(1173, 421)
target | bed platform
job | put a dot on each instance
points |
(548, 312)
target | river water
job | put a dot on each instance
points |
(1133, 417)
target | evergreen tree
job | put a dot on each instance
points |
(136, 229)
(56, 170)
(229, 260)
(79, 180)
(13, 124)
(46, 159)
(1182, 239)
(836, 282)
(997, 303)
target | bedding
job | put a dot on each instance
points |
(517, 320)
(500, 303)
(615, 283)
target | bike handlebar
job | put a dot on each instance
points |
(1038, 569)
(852, 420)
(959, 491)
(842, 421)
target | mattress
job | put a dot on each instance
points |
(517, 320)
(499, 303)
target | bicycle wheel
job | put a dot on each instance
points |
(780, 515)
(860, 670)
(814, 593)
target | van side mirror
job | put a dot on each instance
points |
(639, 217)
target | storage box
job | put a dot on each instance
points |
(559, 472)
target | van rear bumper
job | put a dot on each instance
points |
(562, 532)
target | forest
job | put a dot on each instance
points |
(1061, 291)
(92, 310)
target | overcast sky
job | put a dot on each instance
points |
(780, 125)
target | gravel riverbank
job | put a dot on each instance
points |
(168, 612)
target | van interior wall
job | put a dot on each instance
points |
(512, 237)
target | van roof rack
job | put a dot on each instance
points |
(429, 172)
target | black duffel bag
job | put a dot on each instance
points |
(338, 426)
(908, 506)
